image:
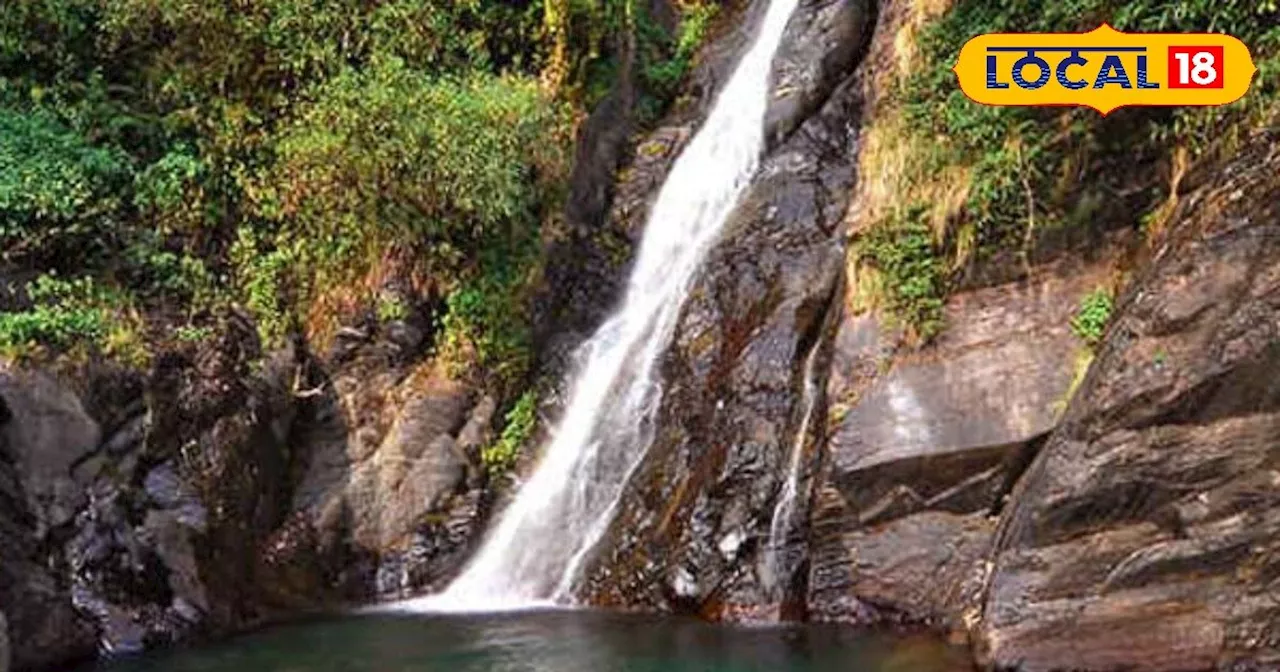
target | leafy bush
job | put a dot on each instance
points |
(285, 154)
(454, 171)
(68, 314)
(56, 189)
(393, 154)
(485, 325)
(521, 421)
(263, 278)
(1090, 321)
(911, 274)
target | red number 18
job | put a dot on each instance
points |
(1195, 67)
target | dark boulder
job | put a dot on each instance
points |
(44, 431)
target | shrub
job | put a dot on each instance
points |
(262, 279)
(72, 314)
(293, 151)
(520, 423)
(485, 326)
(912, 276)
(57, 190)
(1090, 321)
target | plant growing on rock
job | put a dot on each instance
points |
(1090, 321)
(911, 276)
(520, 422)
(994, 182)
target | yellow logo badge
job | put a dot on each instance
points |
(1104, 69)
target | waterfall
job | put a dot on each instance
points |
(786, 504)
(534, 553)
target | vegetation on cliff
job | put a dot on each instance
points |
(991, 183)
(309, 163)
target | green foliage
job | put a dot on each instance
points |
(263, 280)
(391, 308)
(1032, 167)
(1090, 321)
(455, 169)
(394, 154)
(521, 421)
(289, 155)
(912, 274)
(161, 272)
(460, 36)
(166, 184)
(67, 314)
(485, 324)
(192, 334)
(55, 187)
(665, 60)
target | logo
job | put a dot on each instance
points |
(1104, 69)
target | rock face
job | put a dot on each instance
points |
(4, 643)
(224, 489)
(390, 480)
(694, 524)
(925, 445)
(43, 626)
(136, 502)
(1146, 536)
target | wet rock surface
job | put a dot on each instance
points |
(694, 525)
(1146, 536)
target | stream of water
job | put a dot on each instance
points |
(534, 553)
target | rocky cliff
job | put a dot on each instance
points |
(224, 489)
(1058, 504)
(1146, 535)
(986, 484)
(691, 530)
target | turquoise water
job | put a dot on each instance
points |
(552, 642)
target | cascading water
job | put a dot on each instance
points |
(534, 553)
(785, 507)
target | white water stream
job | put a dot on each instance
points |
(785, 507)
(533, 555)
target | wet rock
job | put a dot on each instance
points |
(43, 627)
(4, 643)
(822, 43)
(1146, 536)
(48, 433)
(694, 522)
(922, 568)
